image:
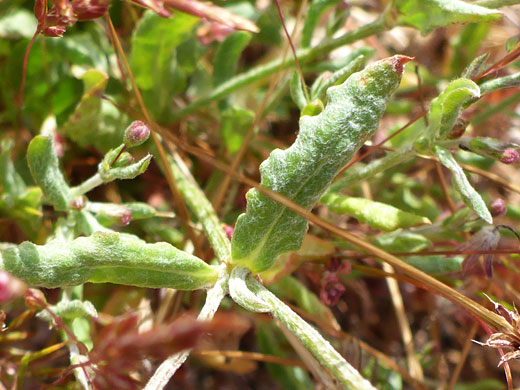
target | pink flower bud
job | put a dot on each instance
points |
(10, 287)
(136, 134)
(509, 156)
(498, 207)
(229, 231)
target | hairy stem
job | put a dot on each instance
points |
(262, 71)
(496, 3)
(86, 186)
(321, 349)
(167, 369)
(202, 208)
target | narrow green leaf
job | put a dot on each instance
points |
(317, 8)
(11, 182)
(228, 54)
(471, 197)
(296, 90)
(436, 264)
(234, 125)
(304, 170)
(45, 170)
(427, 15)
(402, 241)
(106, 257)
(377, 215)
(291, 289)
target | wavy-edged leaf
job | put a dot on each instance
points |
(427, 15)
(471, 197)
(107, 257)
(45, 170)
(377, 215)
(302, 172)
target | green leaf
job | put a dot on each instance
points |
(435, 264)
(446, 108)
(427, 15)
(317, 8)
(402, 241)
(296, 90)
(471, 197)
(154, 57)
(235, 123)
(131, 171)
(106, 257)
(228, 54)
(84, 124)
(45, 170)
(377, 215)
(11, 182)
(302, 172)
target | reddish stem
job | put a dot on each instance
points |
(19, 99)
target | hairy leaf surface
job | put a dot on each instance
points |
(427, 15)
(303, 171)
(107, 257)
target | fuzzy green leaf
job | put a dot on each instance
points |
(446, 108)
(377, 215)
(302, 172)
(45, 170)
(107, 257)
(427, 15)
(471, 197)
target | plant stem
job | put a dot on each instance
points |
(499, 107)
(202, 208)
(354, 176)
(303, 55)
(167, 369)
(496, 3)
(86, 186)
(321, 349)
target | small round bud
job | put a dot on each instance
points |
(313, 108)
(498, 207)
(78, 203)
(458, 129)
(136, 134)
(35, 299)
(509, 156)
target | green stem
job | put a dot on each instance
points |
(496, 3)
(86, 186)
(167, 369)
(202, 208)
(354, 176)
(262, 71)
(500, 83)
(321, 349)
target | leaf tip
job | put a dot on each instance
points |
(398, 62)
